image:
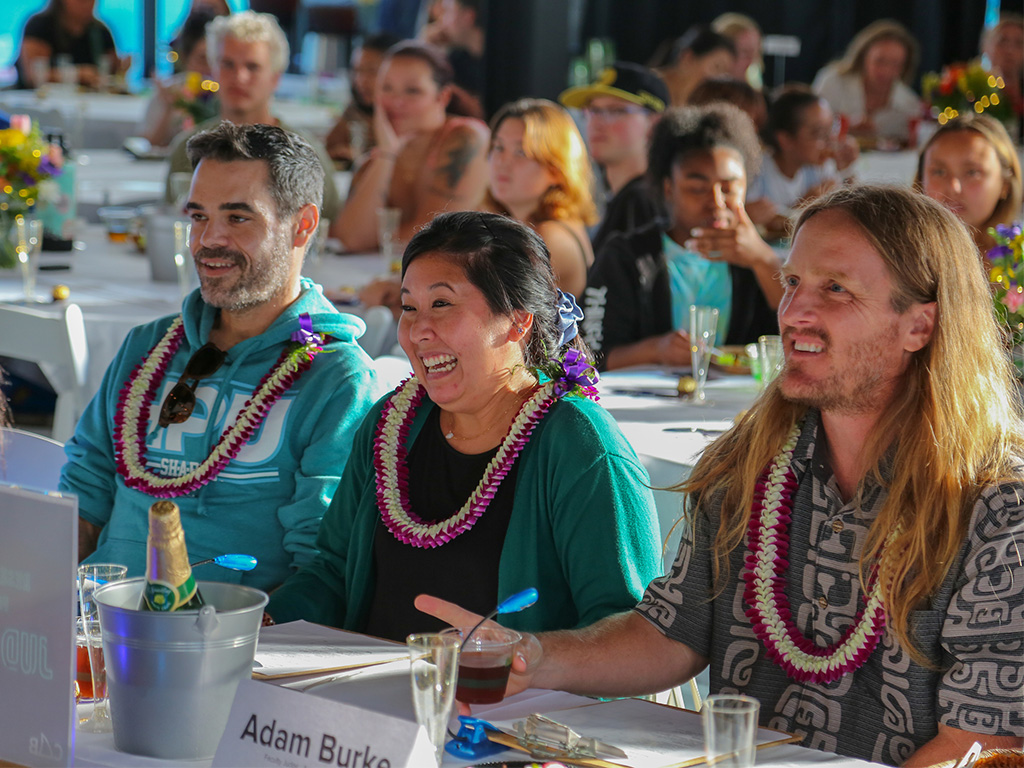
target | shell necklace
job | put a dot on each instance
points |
(392, 472)
(765, 592)
(137, 395)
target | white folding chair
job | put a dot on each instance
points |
(380, 330)
(57, 344)
(29, 459)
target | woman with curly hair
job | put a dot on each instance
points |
(540, 175)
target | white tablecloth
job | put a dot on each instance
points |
(105, 120)
(386, 690)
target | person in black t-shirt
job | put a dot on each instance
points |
(621, 107)
(67, 27)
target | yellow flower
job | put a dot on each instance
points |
(10, 138)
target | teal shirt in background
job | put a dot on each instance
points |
(695, 280)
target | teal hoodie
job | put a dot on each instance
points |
(268, 501)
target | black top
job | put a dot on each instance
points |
(87, 48)
(468, 70)
(631, 208)
(628, 296)
(465, 570)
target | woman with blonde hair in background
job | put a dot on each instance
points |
(540, 175)
(746, 36)
(970, 165)
(870, 85)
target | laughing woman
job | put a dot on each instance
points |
(489, 471)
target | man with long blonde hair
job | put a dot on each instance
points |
(855, 541)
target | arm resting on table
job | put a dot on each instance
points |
(951, 743)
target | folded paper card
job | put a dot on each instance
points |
(302, 648)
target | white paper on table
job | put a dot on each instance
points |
(652, 735)
(302, 648)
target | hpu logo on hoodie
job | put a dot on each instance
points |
(181, 447)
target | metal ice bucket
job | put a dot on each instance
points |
(172, 676)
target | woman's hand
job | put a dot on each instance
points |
(528, 652)
(386, 292)
(739, 244)
(761, 211)
(672, 348)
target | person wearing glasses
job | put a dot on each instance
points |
(621, 108)
(242, 407)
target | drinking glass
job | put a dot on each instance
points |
(388, 220)
(703, 326)
(730, 724)
(769, 352)
(484, 663)
(91, 577)
(67, 71)
(180, 183)
(182, 233)
(28, 243)
(39, 72)
(435, 663)
(83, 673)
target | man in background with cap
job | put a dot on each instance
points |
(621, 107)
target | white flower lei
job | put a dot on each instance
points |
(392, 473)
(765, 593)
(137, 397)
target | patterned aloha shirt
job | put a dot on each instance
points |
(972, 631)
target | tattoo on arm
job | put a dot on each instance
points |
(458, 158)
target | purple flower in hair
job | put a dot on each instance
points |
(576, 372)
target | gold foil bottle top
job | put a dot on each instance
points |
(166, 556)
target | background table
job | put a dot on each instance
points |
(113, 285)
(105, 120)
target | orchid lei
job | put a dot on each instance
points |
(137, 395)
(389, 461)
(570, 375)
(765, 592)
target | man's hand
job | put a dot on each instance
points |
(528, 652)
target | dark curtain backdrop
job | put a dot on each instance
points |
(948, 30)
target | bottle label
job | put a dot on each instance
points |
(164, 596)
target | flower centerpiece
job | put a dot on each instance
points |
(1007, 276)
(27, 167)
(964, 88)
(197, 99)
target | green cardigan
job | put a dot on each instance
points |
(583, 528)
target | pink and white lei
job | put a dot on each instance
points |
(765, 593)
(389, 461)
(136, 398)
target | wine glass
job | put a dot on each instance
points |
(435, 664)
(703, 326)
(92, 576)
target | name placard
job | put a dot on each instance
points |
(38, 564)
(269, 725)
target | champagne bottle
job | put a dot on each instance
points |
(170, 585)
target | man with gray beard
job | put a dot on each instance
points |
(241, 408)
